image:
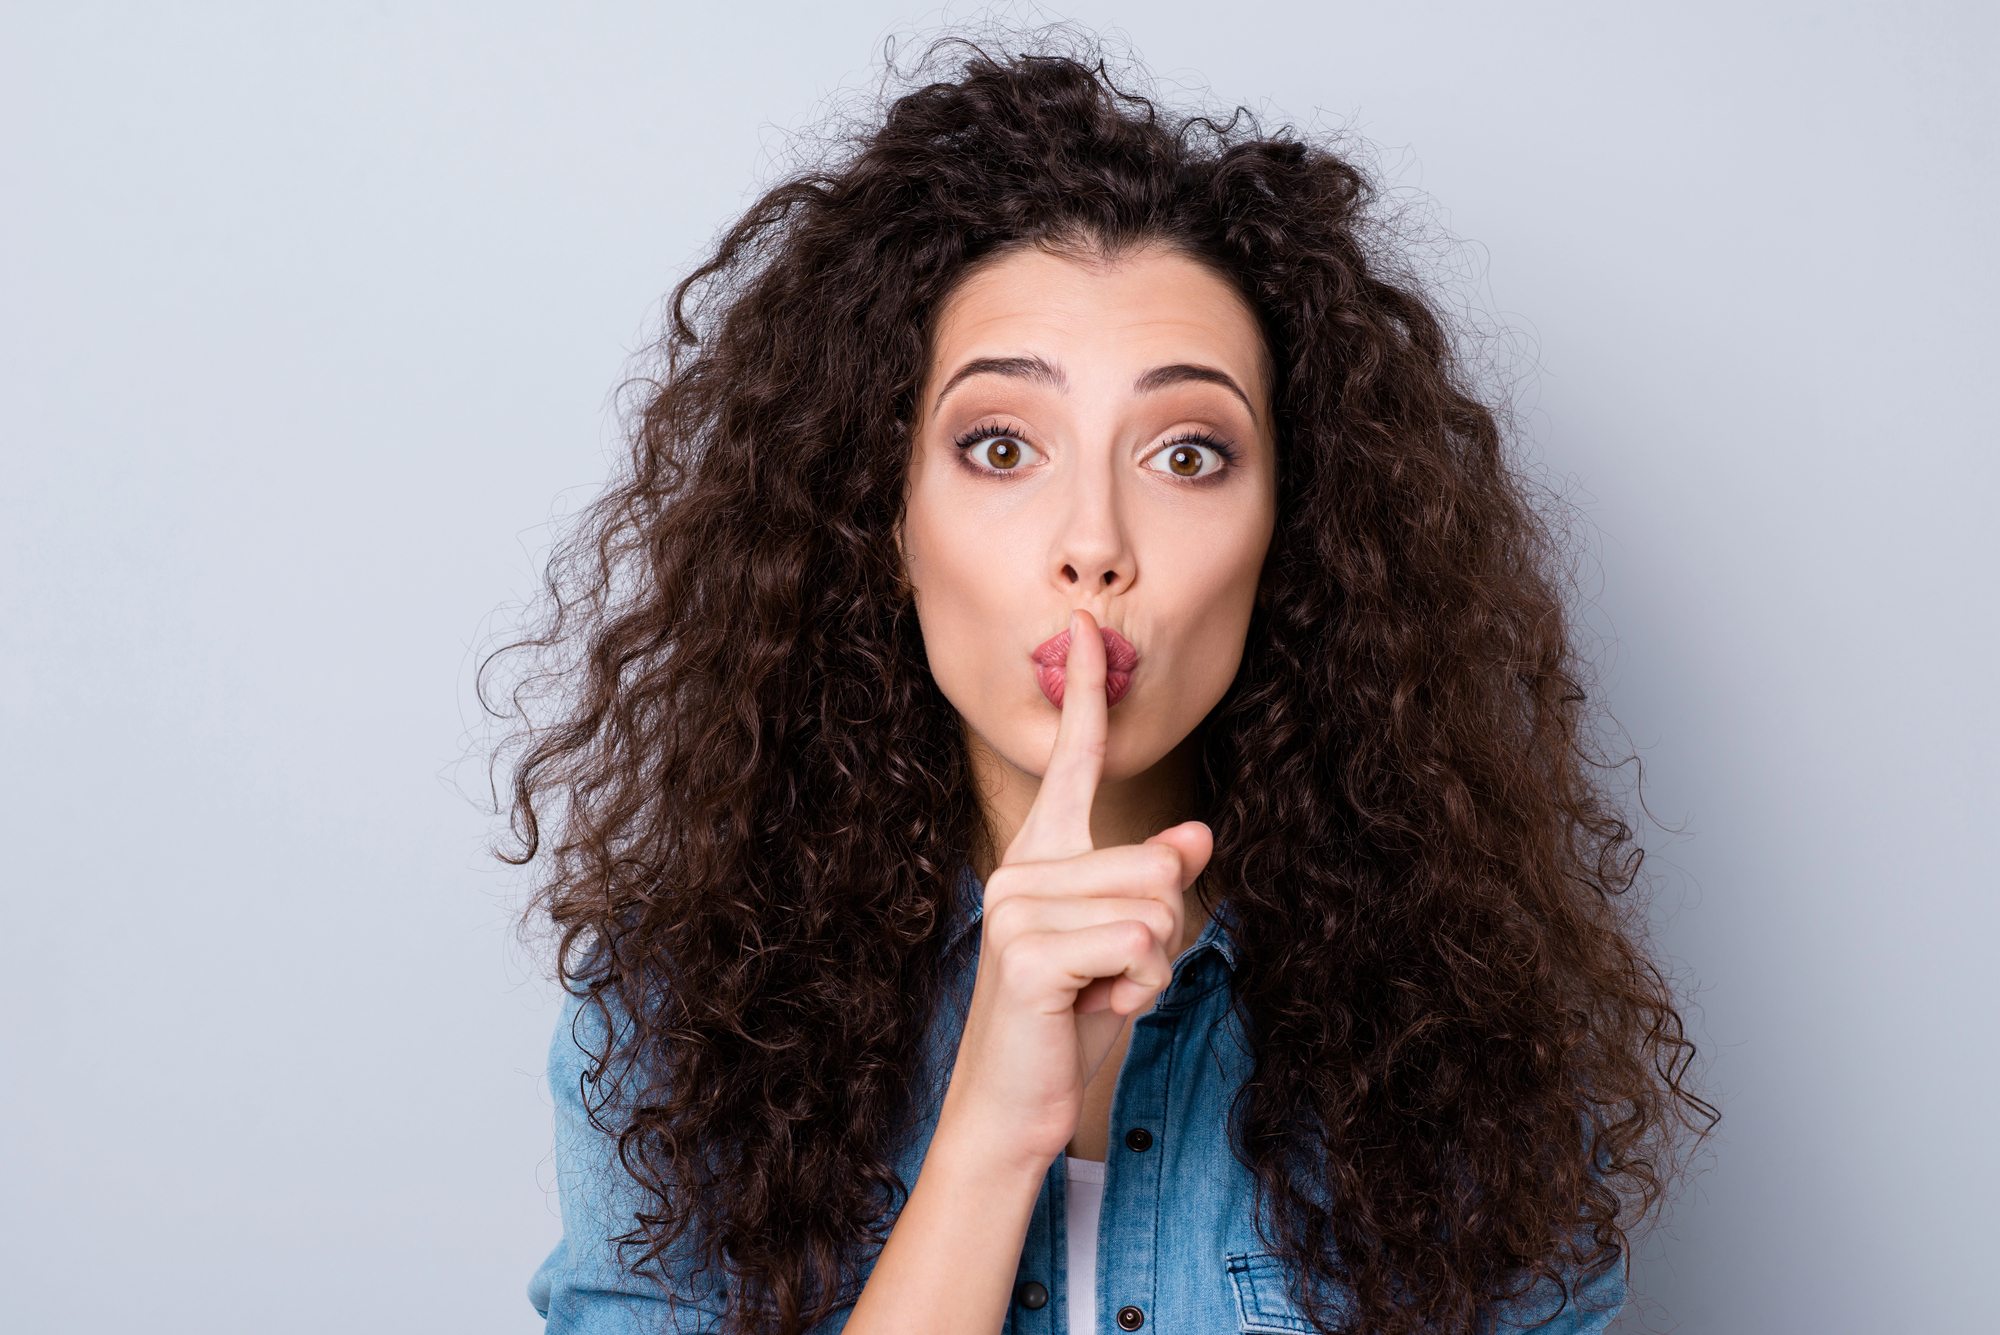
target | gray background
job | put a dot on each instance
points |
(312, 314)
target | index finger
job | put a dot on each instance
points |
(1058, 824)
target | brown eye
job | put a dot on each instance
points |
(1186, 460)
(1002, 454)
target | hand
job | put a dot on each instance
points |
(1074, 941)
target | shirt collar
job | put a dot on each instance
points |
(968, 906)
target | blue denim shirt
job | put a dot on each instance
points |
(1176, 1239)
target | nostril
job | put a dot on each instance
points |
(1109, 576)
(1069, 573)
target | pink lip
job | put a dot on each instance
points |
(1119, 660)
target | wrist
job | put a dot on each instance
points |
(956, 1245)
(973, 1151)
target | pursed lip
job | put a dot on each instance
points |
(1120, 658)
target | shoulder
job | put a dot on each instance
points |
(584, 1286)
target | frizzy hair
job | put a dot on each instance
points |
(753, 806)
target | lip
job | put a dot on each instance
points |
(1120, 658)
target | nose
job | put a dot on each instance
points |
(1092, 558)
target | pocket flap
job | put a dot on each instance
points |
(1263, 1295)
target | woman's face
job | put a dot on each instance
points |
(1092, 435)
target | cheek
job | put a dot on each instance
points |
(1207, 607)
(960, 575)
(1214, 644)
(945, 564)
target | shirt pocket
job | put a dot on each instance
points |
(1263, 1295)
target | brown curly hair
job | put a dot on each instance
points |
(1469, 1075)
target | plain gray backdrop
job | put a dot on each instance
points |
(312, 317)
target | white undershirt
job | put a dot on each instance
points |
(1084, 1193)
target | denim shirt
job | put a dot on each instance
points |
(1178, 1250)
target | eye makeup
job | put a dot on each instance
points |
(1186, 443)
(1007, 450)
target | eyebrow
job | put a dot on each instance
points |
(1181, 373)
(1021, 368)
(1047, 373)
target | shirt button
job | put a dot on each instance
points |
(1139, 1139)
(1032, 1296)
(1130, 1318)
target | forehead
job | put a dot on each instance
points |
(1147, 308)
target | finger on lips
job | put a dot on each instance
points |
(1058, 822)
(1097, 923)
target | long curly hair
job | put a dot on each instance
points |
(753, 806)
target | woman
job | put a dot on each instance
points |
(1075, 810)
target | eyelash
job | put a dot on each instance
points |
(988, 432)
(991, 429)
(1221, 447)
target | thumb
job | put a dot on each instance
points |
(1194, 841)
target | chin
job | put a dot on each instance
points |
(1026, 736)
(1128, 754)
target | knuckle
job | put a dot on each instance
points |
(1020, 962)
(1008, 916)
